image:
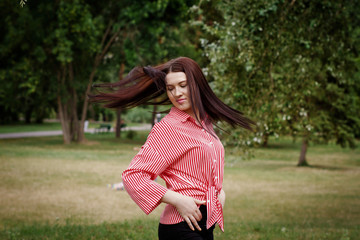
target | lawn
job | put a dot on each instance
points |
(55, 191)
(21, 127)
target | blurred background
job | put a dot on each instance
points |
(291, 66)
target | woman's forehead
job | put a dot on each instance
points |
(175, 77)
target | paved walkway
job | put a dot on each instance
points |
(59, 132)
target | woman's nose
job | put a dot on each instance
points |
(178, 92)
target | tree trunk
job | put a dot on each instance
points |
(118, 123)
(63, 116)
(302, 159)
(118, 111)
(81, 136)
(265, 140)
(40, 115)
(85, 106)
(153, 115)
(28, 114)
(97, 61)
(64, 122)
(75, 125)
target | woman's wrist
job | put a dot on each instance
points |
(170, 197)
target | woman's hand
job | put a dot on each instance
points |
(221, 197)
(186, 206)
(188, 209)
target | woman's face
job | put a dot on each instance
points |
(178, 91)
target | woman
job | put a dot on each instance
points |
(182, 148)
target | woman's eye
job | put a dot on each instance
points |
(170, 89)
(183, 86)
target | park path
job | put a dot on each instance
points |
(59, 132)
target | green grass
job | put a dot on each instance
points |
(147, 229)
(138, 229)
(55, 191)
(21, 127)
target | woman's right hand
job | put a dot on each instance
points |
(222, 198)
(186, 206)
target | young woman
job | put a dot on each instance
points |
(182, 148)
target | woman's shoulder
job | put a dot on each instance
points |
(167, 124)
(163, 133)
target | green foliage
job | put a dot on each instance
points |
(22, 3)
(154, 32)
(289, 65)
(138, 115)
(54, 50)
(26, 90)
(77, 32)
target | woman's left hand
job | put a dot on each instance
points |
(221, 197)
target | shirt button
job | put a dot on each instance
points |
(203, 130)
(214, 160)
(211, 143)
(215, 177)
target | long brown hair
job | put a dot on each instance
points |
(146, 85)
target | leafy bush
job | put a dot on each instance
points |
(130, 134)
(138, 115)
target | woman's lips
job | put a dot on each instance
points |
(181, 100)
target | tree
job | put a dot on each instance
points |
(25, 87)
(290, 66)
(83, 42)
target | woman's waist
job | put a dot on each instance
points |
(189, 187)
(170, 215)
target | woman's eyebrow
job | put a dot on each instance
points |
(176, 83)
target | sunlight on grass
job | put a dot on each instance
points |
(54, 183)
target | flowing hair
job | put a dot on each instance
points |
(147, 85)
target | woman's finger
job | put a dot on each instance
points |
(199, 202)
(198, 215)
(193, 220)
(187, 220)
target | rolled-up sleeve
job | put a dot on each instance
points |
(139, 178)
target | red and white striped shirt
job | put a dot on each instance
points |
(188, 158)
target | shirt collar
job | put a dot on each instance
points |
(183, 116)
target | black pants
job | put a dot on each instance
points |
(182, 231)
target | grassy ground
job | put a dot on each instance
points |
(52, 191)
(21, 127)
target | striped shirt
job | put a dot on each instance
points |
(188, 158)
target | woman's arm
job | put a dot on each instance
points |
(138, 179)
(187, 207)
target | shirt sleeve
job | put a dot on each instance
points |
(139, 178)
